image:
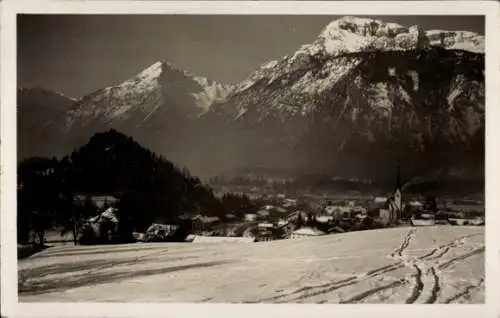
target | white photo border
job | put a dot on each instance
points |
(8, 67)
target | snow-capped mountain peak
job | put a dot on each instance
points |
(151, 72)
(362, 26)
(148, 79)
(353, 34)
(158, 87)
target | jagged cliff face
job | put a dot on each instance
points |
(364, 96)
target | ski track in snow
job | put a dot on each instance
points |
(412, 273)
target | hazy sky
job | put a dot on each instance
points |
(78, 54)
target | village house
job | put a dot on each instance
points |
(359, 209)
(265, 232)
(158, 232)
(306, 232)
(293, 217)
(232, 231)
(337, 210)
(255, 189)
(263, 213)
(265, 225)
(101, 228)
(201, 223)
(250, 217)
(281, 209)
(416, 204)
(325, 218)
(253, 196)
(342, 212)
(282, 222)
(380, 200)
(289, 203)
(360, 216)
(139, 237)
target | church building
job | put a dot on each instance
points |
(392, 209)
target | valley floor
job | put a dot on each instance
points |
(441, 264)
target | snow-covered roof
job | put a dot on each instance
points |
(206, 219)
(427, 216)
(415, 203)
(266, 225)
(110, 215)
(324, 218)
(168, 228)
(308, 231)
(333, 208)
(94, 219)
(380, 199)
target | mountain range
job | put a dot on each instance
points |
(364, 96)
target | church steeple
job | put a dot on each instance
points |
(398, 204)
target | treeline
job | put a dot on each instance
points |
(149, 188)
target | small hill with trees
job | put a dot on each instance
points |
(148, 188)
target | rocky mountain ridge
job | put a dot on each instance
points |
(364, 93)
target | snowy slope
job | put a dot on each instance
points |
(403, 265)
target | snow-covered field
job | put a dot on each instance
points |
(442, 264)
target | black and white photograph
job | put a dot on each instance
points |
(250, 158)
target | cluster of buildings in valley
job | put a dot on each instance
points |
(290, 218)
